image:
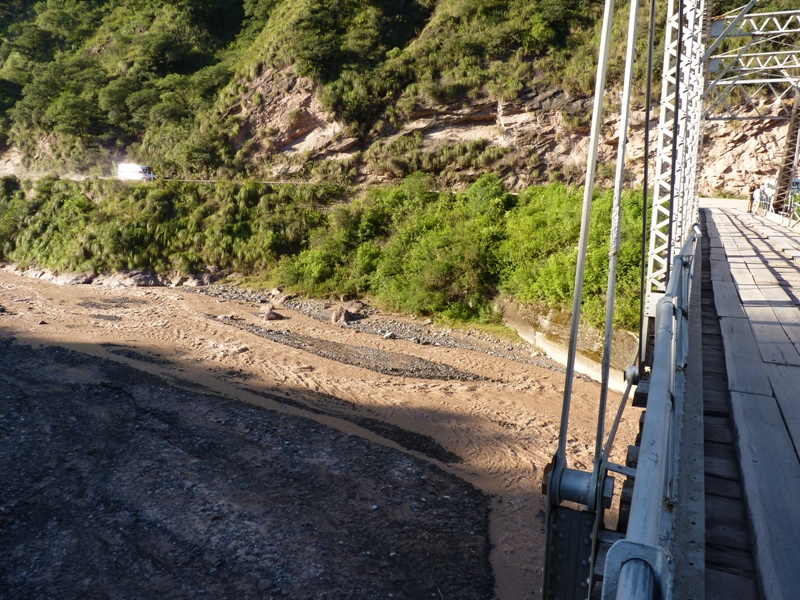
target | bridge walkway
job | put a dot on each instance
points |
(751, 389)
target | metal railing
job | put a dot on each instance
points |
(789, 213)
(764, 203)
(641, 563)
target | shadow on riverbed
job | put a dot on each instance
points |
(119, 484)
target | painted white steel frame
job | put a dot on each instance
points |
(686, 102)
(674, 207)
(684, 98)
(768, 63)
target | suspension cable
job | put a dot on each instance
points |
(614, 241)
(647, 112)
(583, 242)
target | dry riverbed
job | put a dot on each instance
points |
(172, 442)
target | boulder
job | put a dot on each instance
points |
(354, 306)
(279, 300)
(340, 314)
(57, 278)
(278, 297)
(271, 315)
(73, 278)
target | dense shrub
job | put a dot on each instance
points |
(174, 226)
(408, 248)
(541, 251)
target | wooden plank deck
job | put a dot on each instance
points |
(756, 298)
(728, 558)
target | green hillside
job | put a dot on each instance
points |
(83, 82)
(214, 89)
(404, 246)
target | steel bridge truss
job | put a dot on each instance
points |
(764, 63)
(756, 80)
(674, 205)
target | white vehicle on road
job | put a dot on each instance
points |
(134, 172)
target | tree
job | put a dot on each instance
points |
(31, 41)
(10, 92)
(140, 103)
(164, 52)
(71, 115)
(113, 100)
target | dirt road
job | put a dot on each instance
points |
(465, 407)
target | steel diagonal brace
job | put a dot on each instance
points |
(728, 31)
(739, 68)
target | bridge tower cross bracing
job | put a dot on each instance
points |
(787, 168)
(759, 79)
(763, 66)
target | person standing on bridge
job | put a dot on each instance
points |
(751, 197)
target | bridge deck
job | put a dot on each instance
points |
(755, 279)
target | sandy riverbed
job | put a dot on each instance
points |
(494, 429)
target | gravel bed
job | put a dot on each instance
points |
(136, 355)
(111, 303)
(379, 361)
(374, 321)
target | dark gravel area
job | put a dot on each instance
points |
(374, 321)
(325, 404)
(111, 303)
(379, 361)
(116, 485)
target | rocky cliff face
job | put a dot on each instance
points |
(281, 113)
(544, 135)
(737, 154)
